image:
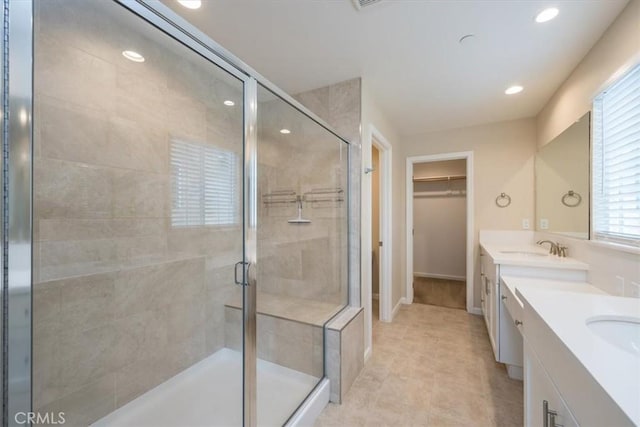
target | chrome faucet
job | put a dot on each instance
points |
(555, 248)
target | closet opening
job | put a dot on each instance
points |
(439, 234)
(440, 231)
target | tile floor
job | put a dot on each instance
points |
(432, 366)
(442, 292)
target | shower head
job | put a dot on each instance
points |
(299, 219)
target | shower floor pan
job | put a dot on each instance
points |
(210, 394)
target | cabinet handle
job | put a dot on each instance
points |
(504, 297)
(518, 323)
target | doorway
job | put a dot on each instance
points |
(439, 244)
(440, 230)
(376, 231)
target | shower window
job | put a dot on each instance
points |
(204, 187)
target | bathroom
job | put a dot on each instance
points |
(187, 212)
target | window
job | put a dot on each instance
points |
(204, 185)
(616, 161)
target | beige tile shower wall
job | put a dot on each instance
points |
(294, 345)
(340, 106)
(300, 260)
(122, 300)
(309, 260)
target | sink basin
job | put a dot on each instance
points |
(622, 332)
(524, 253)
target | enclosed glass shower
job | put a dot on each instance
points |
(189, 233)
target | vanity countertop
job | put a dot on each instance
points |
(566, 314)
(515, 283)
(529, 255)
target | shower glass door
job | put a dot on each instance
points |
(301, 247)
(137, 223)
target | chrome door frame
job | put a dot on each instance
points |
(17, 149)
(249, 294)
(17, 157)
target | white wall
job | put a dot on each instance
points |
(504, 157)
(439, 222)
(616, 51)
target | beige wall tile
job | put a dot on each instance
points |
(158, 286)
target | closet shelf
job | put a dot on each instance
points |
(439, 178)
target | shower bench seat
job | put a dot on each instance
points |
(310, 312)
(291, 333)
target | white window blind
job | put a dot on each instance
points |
(204, 185)
(616, 161)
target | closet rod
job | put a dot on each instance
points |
(439, 178)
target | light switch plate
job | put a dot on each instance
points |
(544, 224)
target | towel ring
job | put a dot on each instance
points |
(569, 196)
(503, 200)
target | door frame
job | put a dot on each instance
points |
(464, 155)
(375, 138)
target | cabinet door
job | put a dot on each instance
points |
(510, 337)
(492, 322)
(539, 389)
(483, 299)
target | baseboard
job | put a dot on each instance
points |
(375, 296)
(475, 310)
(367, 354)
(395, 309)
(440, 276)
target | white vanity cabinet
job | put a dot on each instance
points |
(584, 379)
(503, 327)
(505, 338)
(489, 273)
(544, 405)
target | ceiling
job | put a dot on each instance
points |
(408, 51)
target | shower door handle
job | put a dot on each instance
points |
(245, 272)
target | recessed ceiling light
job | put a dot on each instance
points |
(229, 103)
(513, 90)
(285, 131)
(547, 14)
(191, 4)
(132, 56)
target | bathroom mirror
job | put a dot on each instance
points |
(562, 182)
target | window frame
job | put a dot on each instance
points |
(201, 210)
(599, 237)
